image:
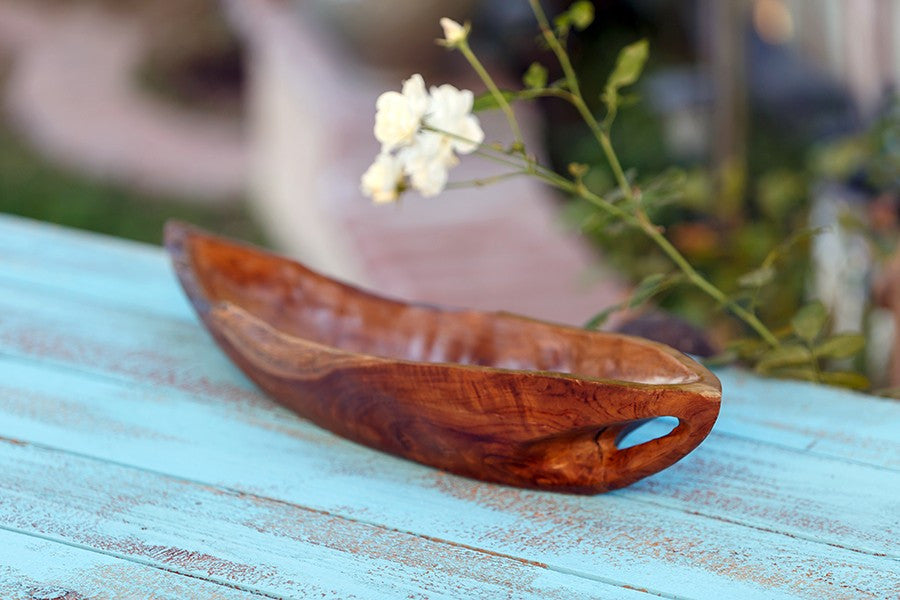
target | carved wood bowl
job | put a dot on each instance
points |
(493, 396)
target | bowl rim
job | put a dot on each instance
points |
(177, 233)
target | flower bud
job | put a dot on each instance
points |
(454, 33)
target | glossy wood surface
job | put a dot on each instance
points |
(493, 396)
(137, 462)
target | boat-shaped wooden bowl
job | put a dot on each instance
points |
(493, 396)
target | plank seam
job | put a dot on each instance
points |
(876, 554)
(244, 494)
(708, 515)
(139, 561)
(806, 451)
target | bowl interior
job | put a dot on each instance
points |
(304, 304)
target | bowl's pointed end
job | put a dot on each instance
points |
(176, 237)
(175, 234)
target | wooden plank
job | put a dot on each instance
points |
(253, 543)
(180, 379)
(32, 568)
(826, 420)
(122, 276)
(644, 536)
(732, 479)
(160, 352)
(102, 268)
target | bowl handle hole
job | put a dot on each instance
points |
(640, 432)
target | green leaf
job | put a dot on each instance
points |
(488, 101)
(809, 321)
(626, 100)
(663, 189)
(781, 250)
(846, 379)
(748, 348)
(721, 359)
(581, 14)
(757, 278)
(779, 191)
(645, 290)
(842, 345)
(650, 286)
(601, 317)
(578, 170)
(787, 355)
(535, 77)
(628, 67)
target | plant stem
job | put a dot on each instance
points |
(555, 46)
(703, 284)
(640, 220)
(577, 100)
(486, 180)
(495, 91)
(652, 231)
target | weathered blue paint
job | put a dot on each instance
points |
(256, 544)
(794, 495)
(33, 568)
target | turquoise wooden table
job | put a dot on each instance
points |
(136, 462)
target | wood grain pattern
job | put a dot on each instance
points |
(492, 396)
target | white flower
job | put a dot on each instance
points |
(382, 180)
(454, 33)
(450, 111)
(399, 115)
(427, 161)
(420, 134)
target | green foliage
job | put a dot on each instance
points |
(578, 170)
(663, 189)
(757, 277)
(650, 286)
(799, 356)
(487, 100)
(778, 192)
(739, 242)
(841, 345)
(629, 66)
(873, 156)
(787, 355)
(807, 355)
(535, 77)
(809, 322)
(579, 16)
(845, 379)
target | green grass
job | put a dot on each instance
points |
(31, 186)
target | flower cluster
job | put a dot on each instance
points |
(420, 133)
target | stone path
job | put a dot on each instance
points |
(71, 92)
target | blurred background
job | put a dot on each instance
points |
(254, 118)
